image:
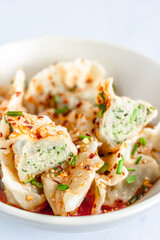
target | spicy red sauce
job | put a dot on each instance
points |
(119, 204)
(85, 207)
(2, 196)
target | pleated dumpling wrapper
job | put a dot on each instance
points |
(68, 82)
(120, 118)
(38, 144)
(79, 174)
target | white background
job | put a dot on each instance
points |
(135, 24)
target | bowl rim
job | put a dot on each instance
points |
(80, 220)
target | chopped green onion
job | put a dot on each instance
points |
(138, 160)
(62, 187)
(29, 180)
(14, 113)
(102, 106)
(61, 162)
(120, 165)
(131, 169)
(133, 199)
(6, 121)
(134, 149)
(61, 110)
(100, 114)
(104, 167)
(58, 173)
(133, 116)
(37, 184)
(56, 98)
(137, 196)
(98, 191)
(142, 141)
(131, 179)
(103, 109)
(102, 96)
(73, 88)
(11, 127)
(73, 160)
(81, 137)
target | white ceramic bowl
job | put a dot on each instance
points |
(136, 76)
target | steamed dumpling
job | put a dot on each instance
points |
(13, 99)
(121, 118)
(38, 144)
(79, 177)
(147, 169)
(18, 193)
(64, 84)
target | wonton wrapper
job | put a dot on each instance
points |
(38, 144)
(80, 177)
(147, 168)
(123, 119)
(17, 193)
(79, 180)
(71, 81)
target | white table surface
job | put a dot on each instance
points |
(134, 24)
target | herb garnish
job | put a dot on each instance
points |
(81, 137)
(61, 110)
(104, 167)
(133, 115)
(134, 149)
(37, 184)
(142, 141)
(98, 191)
(29, 180)
(131, 179)
(73, 160)
(73, 88)
(137, 196)
(14, 113)
(56, 98)
(62, 187)
(102, 96)
(58, 173)
(138, 160)
(61, 162)
(120, 165)
(131, 169)
(102, 109)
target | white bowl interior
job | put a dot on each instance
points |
(136, 76)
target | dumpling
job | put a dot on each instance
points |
(120, 118)
(13, 99)
(38, 144)
(79, 176)
(22, 195)
(147, 170)
(16, 101)
(100, 195)
(64, 84)
(18, 193)
(138, 163)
